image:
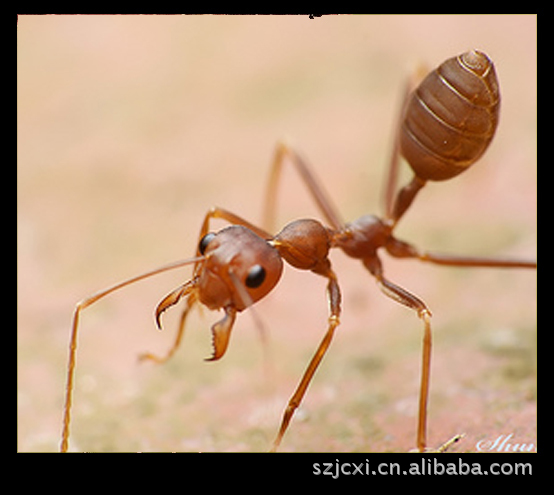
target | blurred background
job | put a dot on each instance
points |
(131, 127)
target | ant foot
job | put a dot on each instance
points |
(443, 448)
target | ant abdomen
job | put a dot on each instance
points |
(451, 117)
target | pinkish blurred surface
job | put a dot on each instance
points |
(131, 127)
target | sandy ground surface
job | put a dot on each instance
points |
(131, 127)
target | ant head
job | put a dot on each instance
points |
(239, 268)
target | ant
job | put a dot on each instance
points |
(446, 123)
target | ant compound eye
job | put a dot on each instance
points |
(255, 277)
(203, 244)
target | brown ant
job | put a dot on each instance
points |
(446, 124)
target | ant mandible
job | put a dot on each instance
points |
(446, 123)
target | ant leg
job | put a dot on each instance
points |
(392, 169)
(395, 208)
(449, 260)
(401, 249)
(316, 190)
(333, 292)
(404, 297)
(224, 214)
